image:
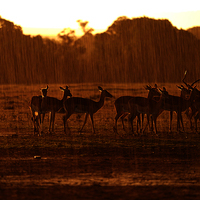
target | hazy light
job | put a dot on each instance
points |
(100, 14)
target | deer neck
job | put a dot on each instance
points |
(101, 101)
(64, 97)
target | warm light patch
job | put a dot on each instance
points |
(36, 113)
(49, 17)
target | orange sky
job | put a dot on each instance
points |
(49, 17)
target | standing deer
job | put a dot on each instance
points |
(84, 105)
(155, 108)
(54, 105)
(36, 109)
(122, 107)
(147, 106)
(194, 110)
(177, 104)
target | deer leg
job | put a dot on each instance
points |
(148, 118)
(150, 122)
(141, 125)
(91, 116)
(189, 112)
(181, 119)
(42, 118)
(178, 124)
(39, 117)
(142, 119)
(115, 125)
(139, 121)
(65, 118)
(178, 121)
(145, 127)
(191, 126)
(151, 118)
(36, 124)
(196, 118)
(122, 119)
(41, 124)
(53, 121)
(170, 121)
(195, 124)
(154, 119)
(33, 118)
(86, 116)
(50, 116)
(131, 118)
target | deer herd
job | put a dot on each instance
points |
(137, 107)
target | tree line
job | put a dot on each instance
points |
(130, 50)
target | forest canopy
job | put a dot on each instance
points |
(130, 50)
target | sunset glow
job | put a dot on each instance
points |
(50, 17)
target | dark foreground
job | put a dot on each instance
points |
(100, 167)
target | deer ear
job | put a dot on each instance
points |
(148, 87)
(62, 88)
(179, 87)
(44, 88)
(100, 88)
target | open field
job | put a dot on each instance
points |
(87, 166)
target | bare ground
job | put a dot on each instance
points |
(87, 166)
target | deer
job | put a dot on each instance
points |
(36, 111)
(84, 105)
(155, 108)
(142, 105)
(194, 109)
(54, 105)
(122, 108)
(177, 104)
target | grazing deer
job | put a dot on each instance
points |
(84, 105)
(122, 107)
(54, 105)
(36, 109)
